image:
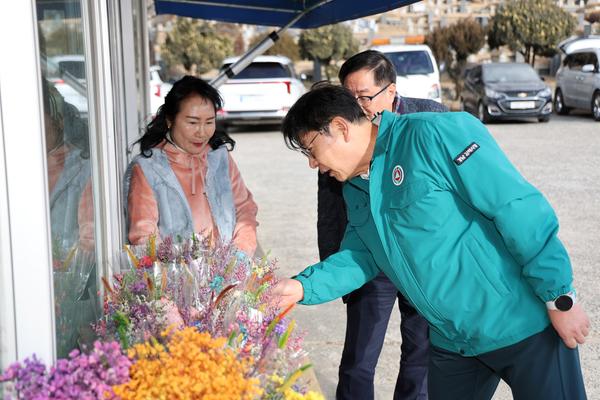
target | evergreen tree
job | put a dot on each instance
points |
(530, 27)
(196, 45)
(328, 44)
(452, 45)
(285, 46)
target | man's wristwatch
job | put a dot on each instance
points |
(563, 302)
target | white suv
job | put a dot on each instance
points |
(157, 89)
(417, 72)
(262, 93)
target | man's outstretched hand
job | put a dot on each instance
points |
(289, 291)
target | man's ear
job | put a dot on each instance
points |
(340, 126)
(391, 90)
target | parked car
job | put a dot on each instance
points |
(67, 64)
(416, 69)
(579, 43)
(506, 91)
(578, 82)
(158, 88)
(67, 74)
(262, 93)
(76, 97)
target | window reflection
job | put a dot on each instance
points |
(64, 87)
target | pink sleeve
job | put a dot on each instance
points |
(86, 218)
(244, 234)
(142, 208)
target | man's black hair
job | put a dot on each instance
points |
(315, 110)
(372, 60)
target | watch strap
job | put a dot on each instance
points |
(551, 305)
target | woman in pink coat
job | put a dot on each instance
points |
(184, 180)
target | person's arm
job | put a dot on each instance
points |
(85, 216)
(486, 180)
(331, 215)
(348, 269)
(244, 234)
(142, 208)
(475, 168)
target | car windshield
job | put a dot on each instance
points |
(411, 62)
(509, 73)
(261, 70)
(157, 75)
(75, 68)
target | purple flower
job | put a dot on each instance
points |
(165, 251)
(81, 376)
(139, 287)
(281, 327)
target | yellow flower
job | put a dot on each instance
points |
(291, 394)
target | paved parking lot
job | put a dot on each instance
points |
(562, 158)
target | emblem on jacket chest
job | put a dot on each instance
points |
(397, 175)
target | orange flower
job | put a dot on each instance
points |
(192, 365)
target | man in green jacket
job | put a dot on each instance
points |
(434, 203)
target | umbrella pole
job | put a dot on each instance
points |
(259, 49)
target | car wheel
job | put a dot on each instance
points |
(482, 113)
(559, 103)
(545, 118)
(596, 105)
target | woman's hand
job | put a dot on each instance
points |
(289, 291)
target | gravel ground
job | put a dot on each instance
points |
(560, 157)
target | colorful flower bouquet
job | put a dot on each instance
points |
(196, 320)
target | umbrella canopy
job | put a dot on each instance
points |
(278, 12)
(301, 14)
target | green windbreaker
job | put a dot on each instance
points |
(448, 218)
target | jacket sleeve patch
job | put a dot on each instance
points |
(466, 153)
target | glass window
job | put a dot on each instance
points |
(577, 61)
(411, 62)
(262, 70)
(64, 87)
(590, 58)
(594, 60)
(509, 73)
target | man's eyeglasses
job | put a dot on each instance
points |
(366, 100)
(306, 150)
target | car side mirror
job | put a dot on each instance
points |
(303, 77)
(588, 68)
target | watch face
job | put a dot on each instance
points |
(563, 303)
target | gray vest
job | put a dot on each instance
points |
(65, 199)
(174, 213)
